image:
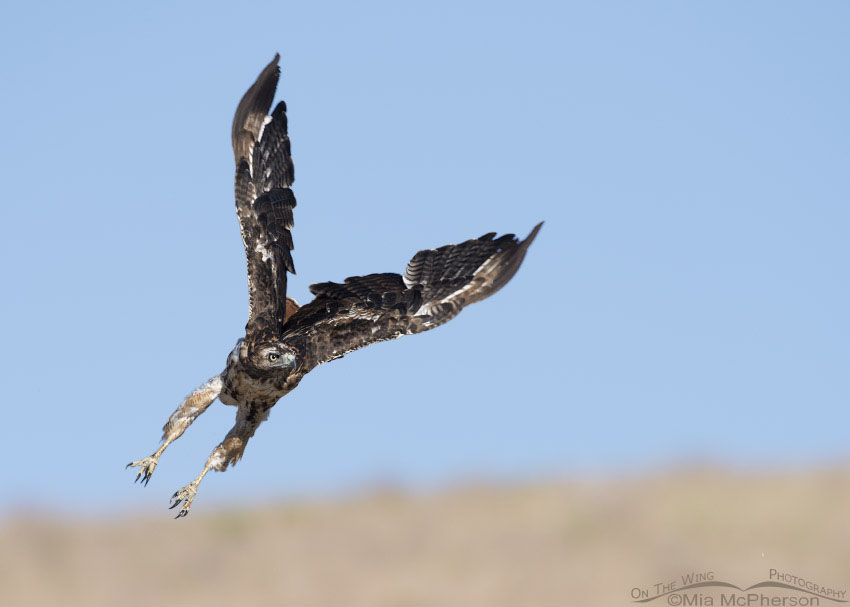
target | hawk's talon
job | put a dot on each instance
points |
(183, 496)
(146, 468)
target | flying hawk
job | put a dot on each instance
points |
(283, 342)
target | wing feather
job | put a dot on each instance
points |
(264, 198)
(435, 287)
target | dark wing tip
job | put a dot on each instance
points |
(533, 234)
(272, 66)
(253, 108)
(266, 84)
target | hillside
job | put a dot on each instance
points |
(554, 543)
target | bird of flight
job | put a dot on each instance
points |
(284, 341)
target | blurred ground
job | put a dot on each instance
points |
(565, 543)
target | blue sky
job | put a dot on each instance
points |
(686, 300)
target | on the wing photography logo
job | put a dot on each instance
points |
(705, 589)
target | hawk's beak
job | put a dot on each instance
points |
(289, 361)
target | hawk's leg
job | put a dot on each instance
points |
(228, 452)
(194, 404)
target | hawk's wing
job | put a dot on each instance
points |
(264, 198)
(436, 285)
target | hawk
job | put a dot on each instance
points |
(283, 342)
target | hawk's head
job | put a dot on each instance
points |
(265, 352)
(271, 355)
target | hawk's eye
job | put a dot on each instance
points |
(273, 357)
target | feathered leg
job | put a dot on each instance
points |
(194, 404)
(228, 452)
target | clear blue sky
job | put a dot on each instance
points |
(687, 298)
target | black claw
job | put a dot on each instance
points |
(181, 514)
(128, 465)
(137, 478)
(147, 479)
(175, 504)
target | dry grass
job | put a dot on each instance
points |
(573, 543)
